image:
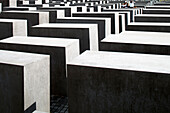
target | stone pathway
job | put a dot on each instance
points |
(59, 104)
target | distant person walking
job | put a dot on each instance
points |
(125, 5)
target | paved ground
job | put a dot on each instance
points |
(59, 104)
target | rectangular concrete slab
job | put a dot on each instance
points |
(86, 33)
(60, 50)
(104, 24)
(19, 8)
(114, 18)
(66, 10)
(152, 18)
(148, 26)
(138, 42)
(43, 16)
(122, 23)
(53, 14)
(21, 85)
(132, 12)
(59, 13)
(12, 27)
(33, 18)
(118, 82)
(156, 11)
(0, 7)
(5, 3)
(106, 19)
(158, 7)
(127, 14)
(102, 27)
(73, 8)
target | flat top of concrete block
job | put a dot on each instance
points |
(137, 37)
(65, 25)
(153, 15)
(118, 11)
(159, 6)
(56, 7)
(108, 4)
(123, 9)
(12, 20)
(90, 18)
(16, 7)
(124, 12)
(30, 8)
(124, 61)
(19, 58)
(96, 13)
(20, 7)
(43, 41)
(158, 9)
(64, 6)
(149, 24)
(25, 12)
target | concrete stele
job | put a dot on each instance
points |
(25, 2)
(45, 5)
(69, 44)
(36, 85)
(12, 3)
(84, 9)
(38, 2)
(123, 22)
(107, 22)
(43, 16)
(61, 51)
(105, 73)
(93, 31)
(0, 7)
(118, 60)
(99, 8)
(19, 26)
(60, 13)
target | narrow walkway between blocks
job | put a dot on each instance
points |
(59, 104)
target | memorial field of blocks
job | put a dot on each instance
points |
(102, 57)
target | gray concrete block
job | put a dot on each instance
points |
(122, 23)
(5, 3)
(148, 26)
(104, 24)
(132, 12)
(0, 7)
(25, 80)
(156, 11)
(12, 27)
(157, 7)
(33, 18)
(86, 33)
(53, 14)
(127, 17)
(114, 18)
(19, 8)
(106, 20)
(118, 82)
(137, 42)
(60, 50)
(67, 10)
(152, 18)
